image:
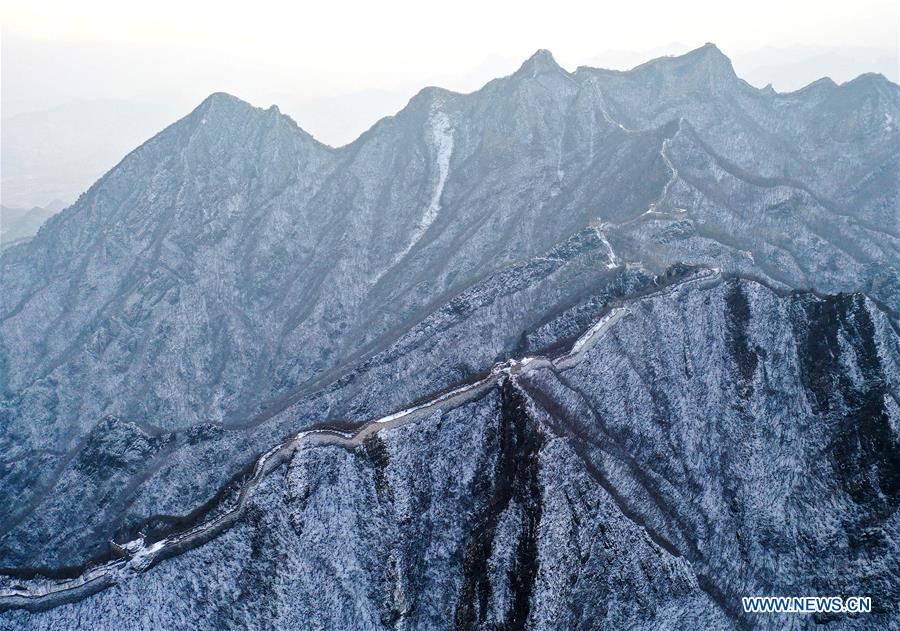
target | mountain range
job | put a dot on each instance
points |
(233, 281)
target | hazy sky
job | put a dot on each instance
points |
(265, 52)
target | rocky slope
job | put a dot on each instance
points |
(233, 281)
(649, 482)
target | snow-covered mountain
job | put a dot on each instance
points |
(233, 281)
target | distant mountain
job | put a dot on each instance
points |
(20, 223)
(786, 69)
(789, 69)
(233, 281)
(60, 152)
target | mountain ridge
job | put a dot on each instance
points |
(543, 59)
(655, 511)
(233, 267)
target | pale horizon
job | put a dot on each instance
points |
(111, 76)
(54, 53)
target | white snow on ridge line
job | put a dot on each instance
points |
(586, 341)
(432, 404)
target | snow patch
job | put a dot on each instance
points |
(560, 173)
(441, 140)
(664, 153)
(601, 101)
(614, 260)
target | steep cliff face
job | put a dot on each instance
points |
(275, 259)
(233, 281)
(694, 452)
(751, 432)
(451, 345)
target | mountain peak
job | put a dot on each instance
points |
(711, 48)
(222, 97)
(706, 68)
(221, 110)
(708, 56)
(870, 80)
(541, 62)
(219, 103)
(542, 55)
